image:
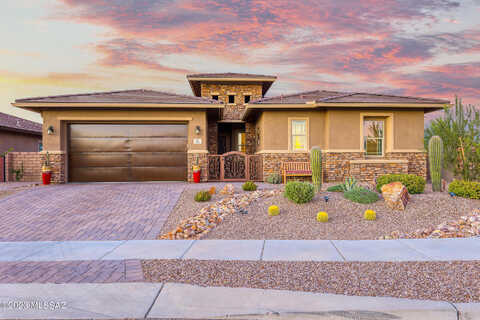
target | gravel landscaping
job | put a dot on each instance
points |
(450, 281)
(345, 217)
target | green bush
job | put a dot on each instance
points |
(361, 195)
(465, 189)
(203, 196)
(249, 186)
(299, 192)
(335, 188)
(274, 178)
(413, 183)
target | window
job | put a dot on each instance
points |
(373, 136)
(299, 135)
(215, 97)
(231, 98)
(247, 98)
(241, 142)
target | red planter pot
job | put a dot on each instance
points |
(196, 176)
(46, 177)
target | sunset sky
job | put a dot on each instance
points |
(427, 48)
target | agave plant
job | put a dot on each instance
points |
(350, 184)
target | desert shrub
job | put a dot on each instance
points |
(273, 211)
(349, 184)
(299, 192)
(413, 183)
(202, 196)
(335, 188)
(249, 186)
(465, 189)
(274, 178)
(361, 195)
(322, 216)
(370, 215)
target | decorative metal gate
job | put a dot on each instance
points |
(234, 166)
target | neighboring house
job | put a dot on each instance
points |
(139, 135)
(18, 134)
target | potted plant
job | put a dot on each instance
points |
(196, 171)
(46, 169)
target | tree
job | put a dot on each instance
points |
(460, 131)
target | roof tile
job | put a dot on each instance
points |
(15, 123)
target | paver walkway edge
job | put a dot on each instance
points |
(460, 249)
(174, 300)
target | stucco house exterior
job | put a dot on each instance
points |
(20, 135)
(231, 130)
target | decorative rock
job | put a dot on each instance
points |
(396, 195)
(466, 226)
(210, 216)
(228, 190)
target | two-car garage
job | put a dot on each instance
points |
(100, 152)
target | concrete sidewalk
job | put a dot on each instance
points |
(171, 300)
(460, 249)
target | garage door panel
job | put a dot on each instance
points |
(157, 159)
(99, 174)
(95, 159)
(170, 130)
(157, 145)
(98, 144)
(127, 152)
(167, 173)
(96, 130)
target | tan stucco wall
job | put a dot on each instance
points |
(274, 134)
(59, 119)
(341, 129)
(409, 128)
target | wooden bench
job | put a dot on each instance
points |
(296, 169)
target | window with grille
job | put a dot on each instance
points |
(299, 135)
(373, 137)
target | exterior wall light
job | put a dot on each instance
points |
(50, 130)
(197, 130)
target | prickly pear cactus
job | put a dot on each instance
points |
(435, 157)
(316, 165)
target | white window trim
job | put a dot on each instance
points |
(307, 134)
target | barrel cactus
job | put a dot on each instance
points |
(316, 165)
(435, 157)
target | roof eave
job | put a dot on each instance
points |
(35, 105)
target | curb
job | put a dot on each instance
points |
(183, 301)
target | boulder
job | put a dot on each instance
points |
(396, 195)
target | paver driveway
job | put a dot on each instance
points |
(122, 211)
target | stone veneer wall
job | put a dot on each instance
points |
(232, 111)
(212, 137)
(32, 166)
(202, 162)
(370, 171)
(337, 166)
(272, 162)
(250, 138)
(417, 161)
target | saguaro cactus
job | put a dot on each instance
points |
(435, 156)
(316, 164)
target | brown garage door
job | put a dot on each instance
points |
(127, 152)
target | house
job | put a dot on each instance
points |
(231, 130)
(20, 135)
